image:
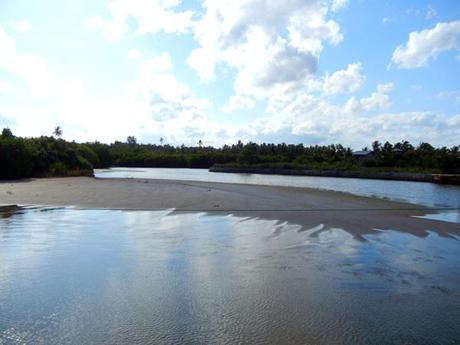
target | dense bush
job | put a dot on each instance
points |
(385, 157)
(47, 156)
(16, 158)
(43, 157)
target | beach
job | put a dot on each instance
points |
(306, 207)
(134, 260)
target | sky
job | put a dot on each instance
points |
(294, 71)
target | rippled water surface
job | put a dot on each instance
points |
(422, 193)
(71, 276)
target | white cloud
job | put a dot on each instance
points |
(428, 13)
(151, 17)
(378, 100)
(170, 109)
(155, 103)
(309, 28)
(135, 54)
(425, 45)
(431, 13)
(157, 86)
(309, 118)
(436, 129)
(294, 110)
(450, 95)
(34, 70)
(385, 88)
(267, 43)
(344, 81)
(238, 102)
(94, 23)
(273, 48)
(22, 26)
(46, 99)
(6, 87)
(390, 19)
(263, 64)
(338, 4)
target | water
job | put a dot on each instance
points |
(422, 193)
(70, 276)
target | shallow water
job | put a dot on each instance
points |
(71, 276)
(422, 193)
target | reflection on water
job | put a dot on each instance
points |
(148, 277)
(451, 216)
(422, 193)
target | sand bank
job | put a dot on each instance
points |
(303, 206)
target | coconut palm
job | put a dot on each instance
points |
(57, 131)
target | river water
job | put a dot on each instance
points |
(422, 193)
(71, 276)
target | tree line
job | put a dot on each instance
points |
(47, 156)
(44, 157)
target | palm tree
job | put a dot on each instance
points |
(57, 131)
(200, 143)
(131, 140)
(161, 140)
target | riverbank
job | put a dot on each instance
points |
(306, 207)
(396, 176)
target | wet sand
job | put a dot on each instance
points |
(306, 207)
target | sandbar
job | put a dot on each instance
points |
(303, 206)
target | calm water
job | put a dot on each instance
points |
(71, 276)
(427, 194)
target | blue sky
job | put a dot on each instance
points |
(298, 71)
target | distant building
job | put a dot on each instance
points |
(362, 154)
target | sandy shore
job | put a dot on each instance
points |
(306, 207)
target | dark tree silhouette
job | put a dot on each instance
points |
(7, 134)
(131, 140)
(48, 156)
(57, 131)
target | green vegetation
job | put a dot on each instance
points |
(400, 157)
(50, 156)
(43, 157)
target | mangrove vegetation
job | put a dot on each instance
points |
(48, 156)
